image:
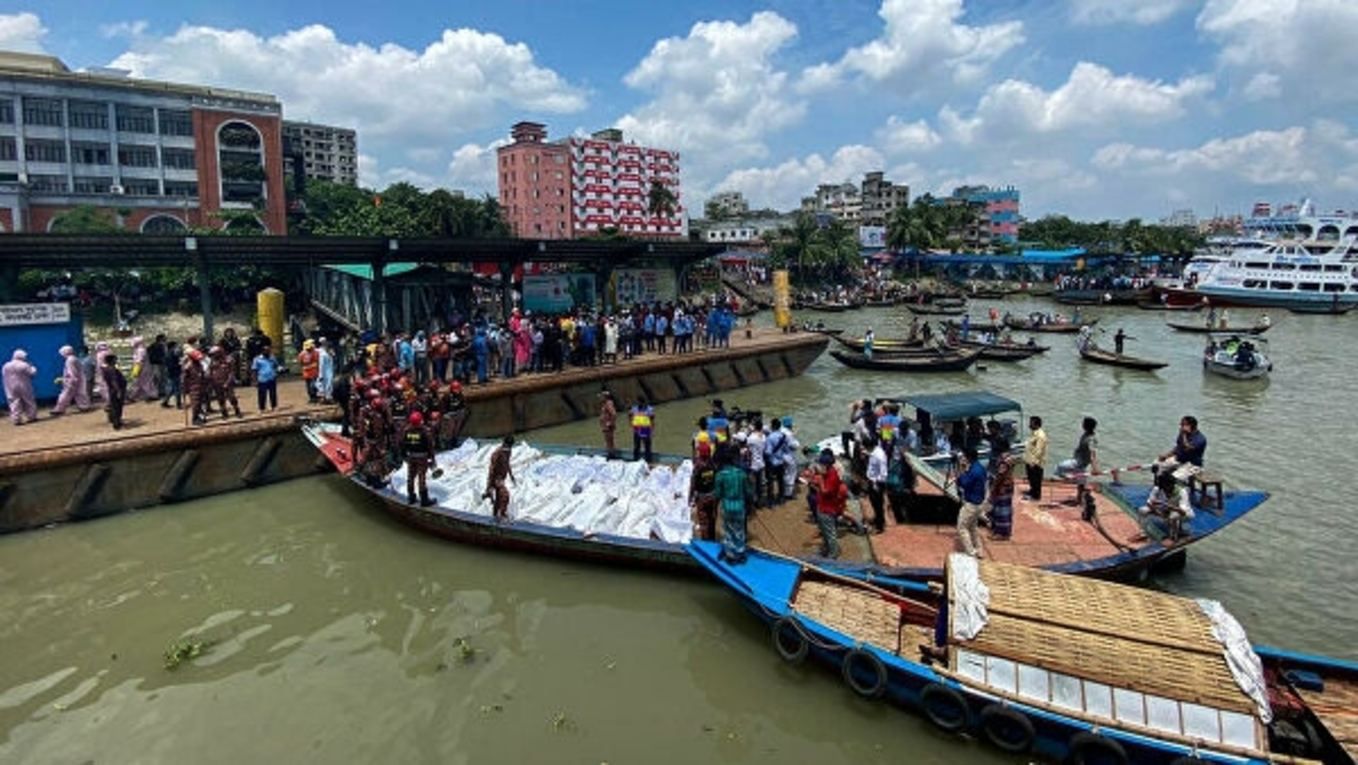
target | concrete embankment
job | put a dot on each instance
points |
(77, 468)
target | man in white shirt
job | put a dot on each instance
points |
(755, 442)
(876, 474)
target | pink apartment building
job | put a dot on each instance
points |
(578, 186)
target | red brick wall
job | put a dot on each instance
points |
(6, 220)
(205, 124)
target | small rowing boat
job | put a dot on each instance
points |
(934, 310)
(857, 344)
(1064, 327)
(1100, 356)
(946, 361)
(1002, 351)
(1203, 329)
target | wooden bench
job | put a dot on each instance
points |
(1204, 490)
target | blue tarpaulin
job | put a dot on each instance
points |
(959, 406)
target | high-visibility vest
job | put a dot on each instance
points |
(641, 418)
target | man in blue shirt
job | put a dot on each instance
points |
(971, 483)
(1185, 459)
(265, 370)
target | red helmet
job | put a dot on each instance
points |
(435, 416)
(433, 386)
(379, 402)
(374, 393)
(457, 386)
(416, 419)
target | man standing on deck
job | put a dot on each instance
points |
(831, 493)
(221, 375)
(608, 420)
(733, 491)
(417, 446)
(1035, 458)
(876, 476)
(500, 469)
(1185, 459)
(115, 386)
(643, 427)
(264, 368)
(1086, 457)
(777, 455)
(972, 484)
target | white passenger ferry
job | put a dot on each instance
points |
(1286, 274)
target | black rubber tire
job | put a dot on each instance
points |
(789, 640)
(944, 707)
(1092, 749)
(1188, 761)
(860, 657)
(1007, 729)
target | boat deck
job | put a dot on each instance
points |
(1337, 707)
(1046, 533)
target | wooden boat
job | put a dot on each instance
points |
(1060, 668)
(1100, 356)
(991, 294)
(831, 331)
(1002, 351)
(829, 307)
(1203, 329)
(1101, 296)
(1067, 327)
(879, 344)
(1152, 305)
(941, 362)
(1335, 309)
(974, 326)
(1029, 346)
(932, 310)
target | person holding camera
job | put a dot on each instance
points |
(972, 483)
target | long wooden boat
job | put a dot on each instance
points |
(1059, 668)
(974, 326)
(831, 331)
(1064, 328)
(1029, 346)
(1101, 296)
(828, 307)
(1203, 329)
(1003, 351)
(933, 310)
(1152, 305)
(1100, 356)
(942, 362)
(881, 343)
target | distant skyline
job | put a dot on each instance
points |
(1093, 108)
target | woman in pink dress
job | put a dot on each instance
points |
(523, 346)
(143, 386)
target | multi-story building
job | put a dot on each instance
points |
(746, 231)
(580, 186)
(328, 153)
(158, 156)
(997, 213)
(726, 204)
(880, 198)
(841, 200)
(1184, 218)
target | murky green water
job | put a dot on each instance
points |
(341, 636)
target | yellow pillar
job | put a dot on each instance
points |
(269, 307)
(782, 299)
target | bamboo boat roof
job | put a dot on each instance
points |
(1123, 636)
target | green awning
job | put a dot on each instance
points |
(366, 272)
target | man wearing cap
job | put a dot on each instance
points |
(417, 446)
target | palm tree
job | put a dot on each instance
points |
(660, 200)
(836, 249)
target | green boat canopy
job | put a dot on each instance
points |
(959, 406)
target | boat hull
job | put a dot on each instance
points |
(957, 362)
(1124, 362)
(1068, 328)
(1251, 298)
(1203, 329)
(1236, 373)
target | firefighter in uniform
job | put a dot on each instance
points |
(500, 469)
(221, 375)
(417, 446)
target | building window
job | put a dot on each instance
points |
(181, 189)
(6, 112)
(178, 159)
(92, 185)
(89, 153)
(135, 119)
(9, 151)
(162, 224)
(42, 111)
(49, 183)
(89, 115)
(45, 151)
(175, 123)
(141, 187)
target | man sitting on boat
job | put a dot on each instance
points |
(1169, 500)
(1185, 459)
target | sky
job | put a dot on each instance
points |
(1092, 108)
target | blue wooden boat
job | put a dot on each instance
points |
(1062, 668)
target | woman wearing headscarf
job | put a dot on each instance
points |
(18, 377)
(325, 382)
(73, 384)
(101, 352)
(143, 386)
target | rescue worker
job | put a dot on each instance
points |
(417, 446)
(454, 415)
(310, 362)
(221, 375)
(701, 497)
(18, 378)
(374, 435)
(73, 384)
(500, 469)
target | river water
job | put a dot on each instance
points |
(338, 635)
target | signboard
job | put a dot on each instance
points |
(872, 236)
(644, 285)
(558, 293)
(18, 314)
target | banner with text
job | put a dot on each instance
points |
(18, 314)
(557, 293)
(644, 285)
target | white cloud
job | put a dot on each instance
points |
(716, 92)
(901, 137)
(1308, 44)
(1142, 12)
(1264, 85)
(463, 81)
(1092, 96)
(123, 29)
(472, 168)
(372, 175)
(782, 186)
(920, 38)
(1295, 155)
(21, 32)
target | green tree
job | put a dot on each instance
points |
(86, 219)
(660, 200)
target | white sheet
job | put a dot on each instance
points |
(970, 596)
(1240, 656)
(589, 494)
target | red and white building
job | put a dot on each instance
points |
(579, 186)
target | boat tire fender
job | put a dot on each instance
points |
(944, 707)
(1007, 729)
(1187, 761)
(876, 670)
(790, 641)
(1086, 747)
